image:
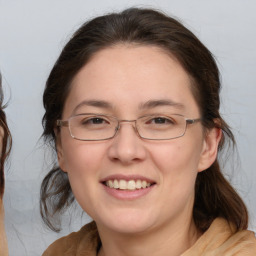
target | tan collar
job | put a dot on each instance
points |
(220, 240)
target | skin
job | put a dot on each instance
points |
(3, 240)
(160, 222)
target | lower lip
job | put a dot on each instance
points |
(128, 194)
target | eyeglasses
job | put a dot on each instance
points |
(95, 127)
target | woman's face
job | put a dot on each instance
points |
(123, 80)
(3, 242)
(1, 169)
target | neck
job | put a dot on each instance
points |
(169, 239)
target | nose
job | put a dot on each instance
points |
(127, 147)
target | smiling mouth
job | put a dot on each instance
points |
(128, 185)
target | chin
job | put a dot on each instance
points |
(130, 222)
(129, 228)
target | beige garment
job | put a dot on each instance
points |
(3, 240)
(218, 240)
(82, 243)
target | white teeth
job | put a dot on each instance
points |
(138, 184)
(144, 184)
(116, 184)
(131, 185)
(110, 183)
(127, 185)
(122, 184)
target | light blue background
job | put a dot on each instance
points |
(32, 34)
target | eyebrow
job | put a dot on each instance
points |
(147, 105)
(162, 102)
(94, 103)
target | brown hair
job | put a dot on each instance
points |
(6, 141)
(214, 196)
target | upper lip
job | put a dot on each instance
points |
(127, 178)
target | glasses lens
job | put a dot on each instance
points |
(161, 127)
(92, 127)
(101, 127)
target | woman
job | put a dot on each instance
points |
(5, 145)
(132, 107)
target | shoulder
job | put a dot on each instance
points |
(83, 242)
(220, 239)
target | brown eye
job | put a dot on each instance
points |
(160, 120)
(95, 120)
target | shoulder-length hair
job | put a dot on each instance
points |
(214, 196)
(6, 140)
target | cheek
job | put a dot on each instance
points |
(83, 162)
(177, 160)
(79, 157)
(174, 157)
(82, 158)
(177, 166)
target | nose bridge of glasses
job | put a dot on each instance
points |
(127, 121)
(132, 122)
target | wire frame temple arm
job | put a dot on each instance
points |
(62, 123)
(192, 121)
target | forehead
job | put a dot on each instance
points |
(131, 75)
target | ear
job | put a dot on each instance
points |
(210, 148)
(59, 149)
